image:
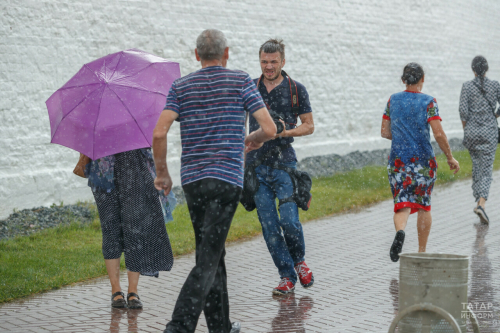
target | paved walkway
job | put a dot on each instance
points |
(356, 287)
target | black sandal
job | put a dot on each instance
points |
(134, 303)
(120, 302)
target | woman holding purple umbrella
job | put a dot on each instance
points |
(108, 111)
(133, 216)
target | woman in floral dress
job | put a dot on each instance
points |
(412, 167)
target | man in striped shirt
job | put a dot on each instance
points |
(211, 106)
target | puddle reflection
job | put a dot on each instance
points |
(116, 320)
(291, 314)
(394, 291)
(482, 293)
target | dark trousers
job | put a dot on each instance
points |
(212, 204)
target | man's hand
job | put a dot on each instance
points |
(162, 180)
(250, 144)
(164, 183)
(282, 134)
(267, 130)
(305, 128)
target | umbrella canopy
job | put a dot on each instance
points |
(112, 104)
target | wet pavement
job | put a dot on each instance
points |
(356, 288)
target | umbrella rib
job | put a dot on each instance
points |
(130, 113)
(96, 119)
(67, 114)
(93, 72)
(83, 85)
(114, 71)
(88, 84)
(151, 64)
(149, 91)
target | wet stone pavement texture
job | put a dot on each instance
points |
(356, 284)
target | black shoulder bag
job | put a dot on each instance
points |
(302, 184)
(251, 182)
(493, 107)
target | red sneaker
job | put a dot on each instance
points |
(305, 274)
(286, 286)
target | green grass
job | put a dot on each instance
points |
(68, 254)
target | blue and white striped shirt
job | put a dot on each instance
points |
(211, 104)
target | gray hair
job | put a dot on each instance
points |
(211, 44)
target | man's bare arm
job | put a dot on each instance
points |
(163, 180)
(266, 132)
(305, 128)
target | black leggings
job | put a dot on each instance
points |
(212, 204)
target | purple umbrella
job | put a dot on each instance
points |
(112, 104)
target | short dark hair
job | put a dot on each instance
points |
(211, 44)
(412, 73)
(479, 65)
(273, 45)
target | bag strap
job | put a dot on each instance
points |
(293, 92)
(284, 201)
(493, 107)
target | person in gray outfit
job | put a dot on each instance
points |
(478, 102)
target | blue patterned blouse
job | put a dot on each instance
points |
(410, 114)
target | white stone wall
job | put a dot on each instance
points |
(348, 53)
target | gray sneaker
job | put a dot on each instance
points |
(235, 327)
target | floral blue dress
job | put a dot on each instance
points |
(412, 165)
(101, 174)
